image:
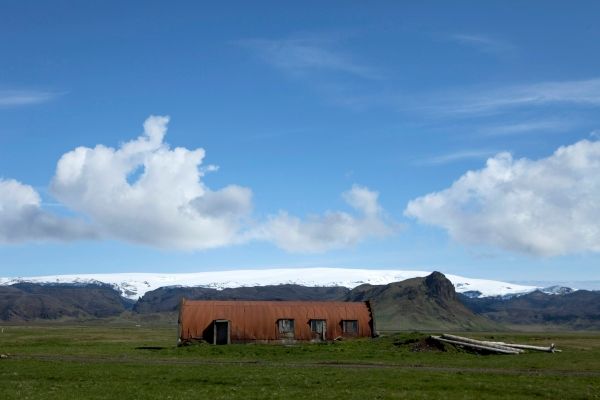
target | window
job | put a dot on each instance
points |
(317, 325)
(350, 327)
(286, 327)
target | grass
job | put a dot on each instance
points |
(134, 362)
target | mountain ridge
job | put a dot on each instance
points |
(421, 303)
(573, 310)
(134, 285)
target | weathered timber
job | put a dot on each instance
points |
(479, 342)
(478, 346)
(549, 349)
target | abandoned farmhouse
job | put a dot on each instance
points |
(224, 322)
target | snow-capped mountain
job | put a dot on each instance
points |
(134, 285)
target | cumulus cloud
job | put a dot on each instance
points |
(544, 207)
(22, 219)
(333, 229)
(146, 192)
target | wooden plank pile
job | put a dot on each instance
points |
(492, 347)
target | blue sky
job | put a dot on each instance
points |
(459, 136)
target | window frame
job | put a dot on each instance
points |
(323, 325)
(346, 323)
(291, 326)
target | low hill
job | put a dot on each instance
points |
(537, 310)
(168, 298)
(428, 303)
(28, 301)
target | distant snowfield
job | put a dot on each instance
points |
(135, 285)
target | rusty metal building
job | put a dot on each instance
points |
(224, 322)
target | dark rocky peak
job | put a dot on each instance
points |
(439, 287)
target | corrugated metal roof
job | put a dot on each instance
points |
(257, 320)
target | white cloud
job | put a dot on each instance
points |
(148, 193)
(364, 200)
(22, 219)
(304, 55)
(545, 207)
(15, 98)
(484, 43)
(494, 100)
(456, 156)
(332, 230)
(526, 127)
(168, 205)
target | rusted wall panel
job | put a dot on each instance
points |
(257, 320)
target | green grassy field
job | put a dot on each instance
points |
(134, 362)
